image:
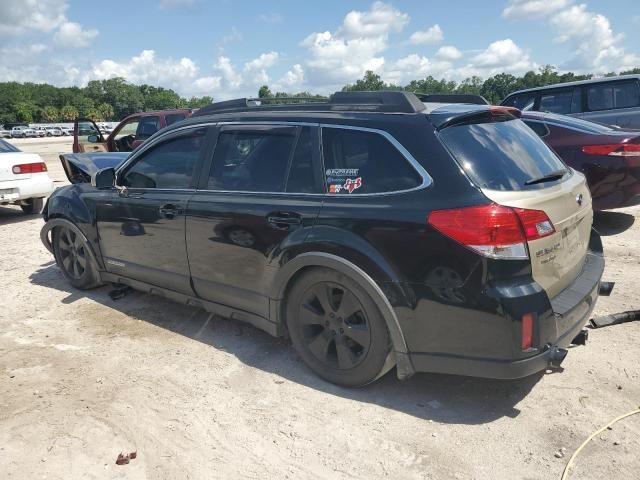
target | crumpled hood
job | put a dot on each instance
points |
(79, 167)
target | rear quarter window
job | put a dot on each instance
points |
(501, 155)
(607, 96)
(359, 161)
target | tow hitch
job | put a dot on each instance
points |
(606, 288)
(556, 356)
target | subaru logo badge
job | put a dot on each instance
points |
(579, 199)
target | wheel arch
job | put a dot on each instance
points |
(288, 273)
(60, 221)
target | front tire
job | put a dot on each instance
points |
(33, 206)
(72, 256)
(337, 329)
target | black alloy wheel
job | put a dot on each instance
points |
(337, 329)
(73, 257)
(335, 326)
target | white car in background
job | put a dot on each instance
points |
(67, 131)
(24, 179)
(23, 132)
(40, 131)
(4, 133)
(54, 131)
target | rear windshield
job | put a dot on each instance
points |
(502, 155)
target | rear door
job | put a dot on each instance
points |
(87, 137)
(257, 198)
(614, 103)
(513, 167)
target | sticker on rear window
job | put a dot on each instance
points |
(349, 185)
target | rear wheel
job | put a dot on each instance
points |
(72, 256)
(336, 328)
(32, 206)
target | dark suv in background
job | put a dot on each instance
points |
(372, 228)
(609, 100)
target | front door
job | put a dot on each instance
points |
(142, 225)
(256, 202)
(87, 137)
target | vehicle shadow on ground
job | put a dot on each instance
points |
(441, 398)
(9, 215)
(612, 223)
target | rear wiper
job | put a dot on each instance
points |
(549, 177)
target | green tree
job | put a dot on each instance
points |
(264, 92)
(370, 82)
(106, 111)
(50, 114)
(25, 111)
(68, 113)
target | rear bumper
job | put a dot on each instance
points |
(39, 185)
(571, 310)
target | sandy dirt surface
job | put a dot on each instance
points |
(83, 378)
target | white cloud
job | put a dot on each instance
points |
(597, 47)
(448, 53)
(343, 56)
(431, 35)
(381, 19)
(531, 9)
(500, 56)
(228, 71)
(31, 15)
(72, 35)
(147, 68)
(271, 18)
(292, 80)
(262, 62)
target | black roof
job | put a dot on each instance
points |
(382, 101)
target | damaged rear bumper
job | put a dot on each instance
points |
(571, 310)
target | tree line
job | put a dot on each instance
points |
(115, 98)
(100, 100)
(494, 88)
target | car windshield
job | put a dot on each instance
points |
(502, 155)
(6, 147)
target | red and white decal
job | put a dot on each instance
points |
(352, 184)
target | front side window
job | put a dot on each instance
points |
(359, 161)
(169, 165)
(607, 96)
(556, 101)
(252, 159)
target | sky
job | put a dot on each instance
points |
(227, 48)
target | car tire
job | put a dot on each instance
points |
(337, 329)
(33, 206)
(73, 258)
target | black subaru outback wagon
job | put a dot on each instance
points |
(371, 228)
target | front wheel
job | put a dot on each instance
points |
(337, 329)
(72, 256)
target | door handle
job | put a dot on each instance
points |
(283, 221)
(168, 211)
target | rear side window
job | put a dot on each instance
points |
(359, 161)
(147, 127)
(168, 165)
(252, 160)
(607, 96)
(302, 175)
(501, 155)
(523, 101)
(556, 101)
(539, 127)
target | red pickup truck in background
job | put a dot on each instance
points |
(128, 134)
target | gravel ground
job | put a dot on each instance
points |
(83, 378)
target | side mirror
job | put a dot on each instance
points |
(93, 138)
(104, 179)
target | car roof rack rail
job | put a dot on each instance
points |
(381, 101)
(452, 98)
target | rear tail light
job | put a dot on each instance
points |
(492, 230)
(29, 168)
(527, 331)
(617, 150)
